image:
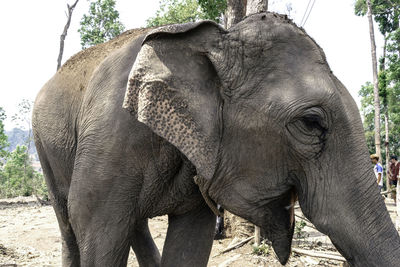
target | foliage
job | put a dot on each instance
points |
(15, 175)
(18, 178)
(298, 229)
(176, 11)
(213, 8)
(386, 14)
(3, 138)
(367, 109)
(181, 11)
(101, 24)
(262, 250)
(39, 186)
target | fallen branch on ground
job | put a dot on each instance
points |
(317, 254)
(239, 244)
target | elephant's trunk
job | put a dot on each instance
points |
(364, 232)
(357, 221)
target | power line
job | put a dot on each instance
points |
(305, 12)
(309, 13)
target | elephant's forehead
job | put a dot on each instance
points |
(292, 91)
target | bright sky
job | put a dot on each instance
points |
(31, 30)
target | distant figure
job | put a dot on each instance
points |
(393, 174)
(378, 170)
(398, 207)
(394, 170)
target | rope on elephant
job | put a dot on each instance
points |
(201, 183)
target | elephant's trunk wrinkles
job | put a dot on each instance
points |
(362, 230)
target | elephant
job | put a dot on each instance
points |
(172, 120)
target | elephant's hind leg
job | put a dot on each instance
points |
(144, 247)
(102, 234)
(70, 251)
(101, 216)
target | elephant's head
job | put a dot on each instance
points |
(259, 113)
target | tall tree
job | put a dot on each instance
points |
(65, 31)
(235, 11)
(386, 14)
(256, 6)
(375, 81)
(101, 24)
(251, 7)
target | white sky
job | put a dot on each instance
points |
(30, 32)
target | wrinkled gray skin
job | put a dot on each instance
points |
(255, 112)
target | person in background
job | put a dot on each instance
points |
(393, 174)
(378, 170)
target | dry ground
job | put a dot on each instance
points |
(29, 236)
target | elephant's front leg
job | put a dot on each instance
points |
(189, 238)
(144, 247)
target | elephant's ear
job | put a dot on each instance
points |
(173, 88)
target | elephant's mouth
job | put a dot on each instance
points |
(279, 226)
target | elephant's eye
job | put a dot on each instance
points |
(308, 131)
(313, 122)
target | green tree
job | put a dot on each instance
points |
(101, 24)
(181, 11)
(16, 176)
(367, 109)
(386, 14)
(176, 11)
(3, 138)
(213, 8)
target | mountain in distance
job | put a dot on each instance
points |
(17, 137)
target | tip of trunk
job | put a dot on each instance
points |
(282, 250)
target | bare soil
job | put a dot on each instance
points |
(29, 236)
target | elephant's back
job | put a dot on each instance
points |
(58, 104)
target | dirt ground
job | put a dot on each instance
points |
(29, 236)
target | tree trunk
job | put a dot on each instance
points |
(382, 68)
(257, 238)
(235, 12)
(375, 80)
(64, 34)
(256, 6)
